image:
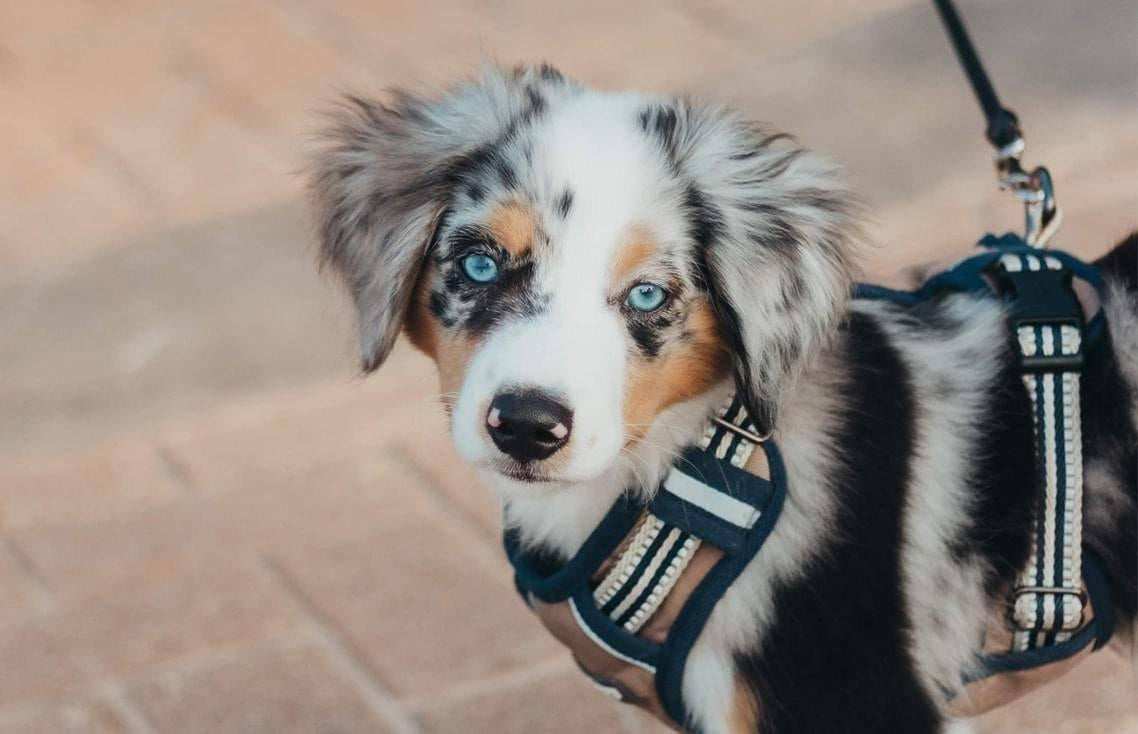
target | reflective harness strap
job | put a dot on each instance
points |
(1060, 607)
(648, 568)
(1049, 601)
(615, 604)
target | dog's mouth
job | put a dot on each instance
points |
(525, 473)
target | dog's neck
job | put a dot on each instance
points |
(559, 521)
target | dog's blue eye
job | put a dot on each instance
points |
(646, 297)
(480, 268)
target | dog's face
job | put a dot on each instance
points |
(578, 262)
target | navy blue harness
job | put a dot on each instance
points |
(739, 535)
(1034, 298)
(709, 499)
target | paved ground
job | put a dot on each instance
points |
(208, 524)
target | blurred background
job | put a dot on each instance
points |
(209, 524)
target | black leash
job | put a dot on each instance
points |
(1003, 127)
(1033, 188)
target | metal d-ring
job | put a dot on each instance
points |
(740, 431)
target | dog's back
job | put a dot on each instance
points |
(1112, 415)
(1120, 265)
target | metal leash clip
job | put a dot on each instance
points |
(1042, 215)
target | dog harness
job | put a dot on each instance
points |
(631, 603)
(1049, 622)
(633, 600)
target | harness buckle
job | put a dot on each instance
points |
(1044, 313)
(1042, 215)
(1023, 611)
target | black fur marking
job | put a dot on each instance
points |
(471, 169)
(440, 307)
(506, 174)
(705, 225)
(564, 203)
(930, 319)
(647, 331)
(475, 191)
(779, 165)
(774, 232)
(1003, 479)
(1110, 440)
(549, 73)
(512, 296)
(471, 238)
(474, 167)
(439, 303)
(835, 658)
(537, 103)
(1121, 263)
(661, 122)
(705, 222)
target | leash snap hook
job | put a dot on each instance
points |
(1035, 189)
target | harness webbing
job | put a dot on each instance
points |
(1048, 603)
(1050, 617)
(707, 503)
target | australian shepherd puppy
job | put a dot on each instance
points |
(593, 272)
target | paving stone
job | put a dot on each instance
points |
(17, 597)
(246, 77)
(310, 507)
(563, 704)
(86, 486)
(162, 123)
(280, 690)
(172, 324)
(74, 717)
(144, 619)
(272, 438)
(591, 40)
(397, 43)
(44, 173)
(426, 606)
(778, 25)
(432, 451)
(1097, 697)
(151, 135)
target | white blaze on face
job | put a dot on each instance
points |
(576, 348)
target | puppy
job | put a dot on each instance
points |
(594, 272)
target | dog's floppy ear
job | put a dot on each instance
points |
(384, 173)
(774, 228)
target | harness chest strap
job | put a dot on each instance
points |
(632, 602)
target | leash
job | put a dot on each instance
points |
(1034, 188)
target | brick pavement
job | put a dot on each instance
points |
(208, 525)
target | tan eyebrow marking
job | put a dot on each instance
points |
(636, 248)
(684, 369)
(513, 226)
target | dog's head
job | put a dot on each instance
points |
(577, 262)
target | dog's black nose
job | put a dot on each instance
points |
(528, 425)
